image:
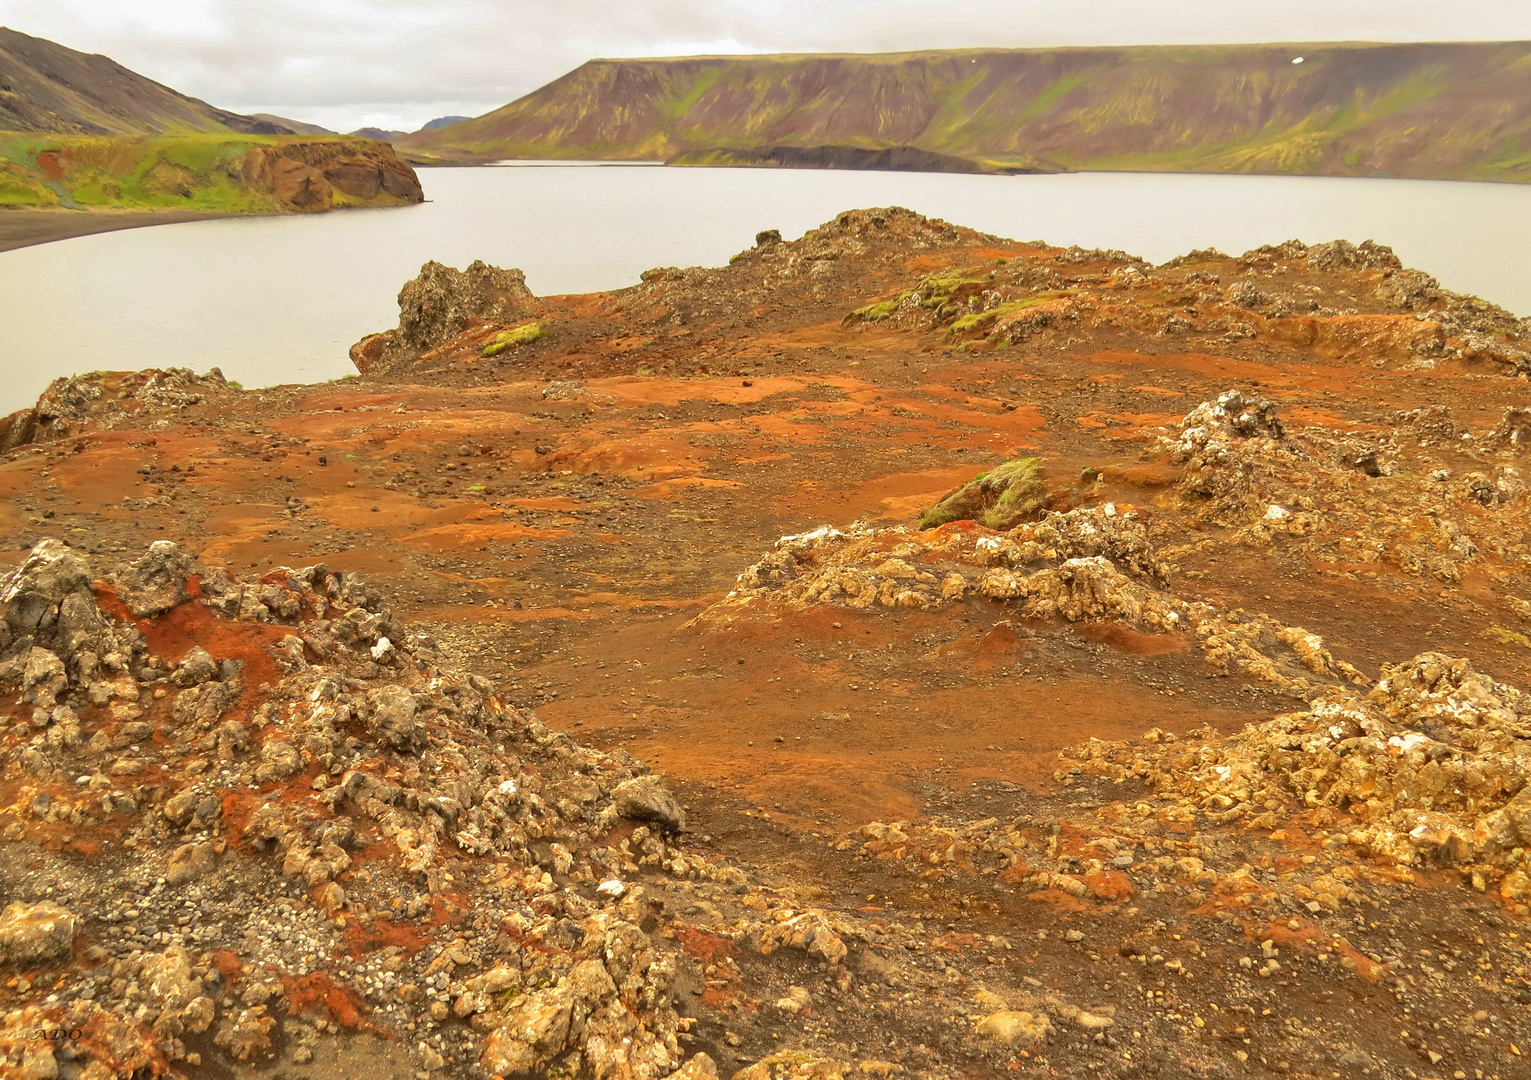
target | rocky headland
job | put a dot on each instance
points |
(88, 146)
(901, 652)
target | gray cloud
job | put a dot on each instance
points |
(398, 63)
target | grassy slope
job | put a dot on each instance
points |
(83, 132)
(1450, 111)
(183, 172)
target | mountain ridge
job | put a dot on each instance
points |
(1457, 110)
(45, 86)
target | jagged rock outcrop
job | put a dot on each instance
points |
(77, 403)
(310, 739)
(1430, 763)
(1094, 564)
(441, 304)
(1347, 500)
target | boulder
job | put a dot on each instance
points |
(196, 667)
(32, 932)
(157, 582)
(392, 718)
(644, 798)
(190, 862)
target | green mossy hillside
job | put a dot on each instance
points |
(191, 171)
(188, 171)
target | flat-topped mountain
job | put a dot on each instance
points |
(1455, 110)
(45, 86)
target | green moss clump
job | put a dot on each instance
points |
(880, 310)
(1507, 637)
(999, 499)
(978, 320)
(941, 292)
(524, 334)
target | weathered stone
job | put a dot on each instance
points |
(168, 979)
(31, 932)
(158, 581)
(644, 798)
(197, 666)
(392, 718)
(1012, 1027)
(189, 862)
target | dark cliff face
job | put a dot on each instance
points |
(47, 87)
(1449, 111)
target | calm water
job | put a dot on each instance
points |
(274, 300)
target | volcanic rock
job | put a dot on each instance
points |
(34, 932)
(441, 303)
(643, 798)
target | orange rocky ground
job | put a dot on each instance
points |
(867, 725)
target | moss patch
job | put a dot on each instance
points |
(524, 334)
(1000, 498)
(1507, 637)
(980, 320)
(944, 293)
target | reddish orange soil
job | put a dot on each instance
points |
(563, 543)
(561, 539)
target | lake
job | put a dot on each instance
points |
(281, 299)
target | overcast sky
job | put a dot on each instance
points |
(399, 63)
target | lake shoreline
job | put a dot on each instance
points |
(281, 298)
(25, 227)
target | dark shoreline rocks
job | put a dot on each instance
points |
(887, 159)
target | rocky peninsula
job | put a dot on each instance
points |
(88, 146)
(901, 652)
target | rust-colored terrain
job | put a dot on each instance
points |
(1211, 765)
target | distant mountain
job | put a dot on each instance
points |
(444, 121)
(84, 133)
(297, 127)
(380, 134)
(1443, 111)
(47, 87)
